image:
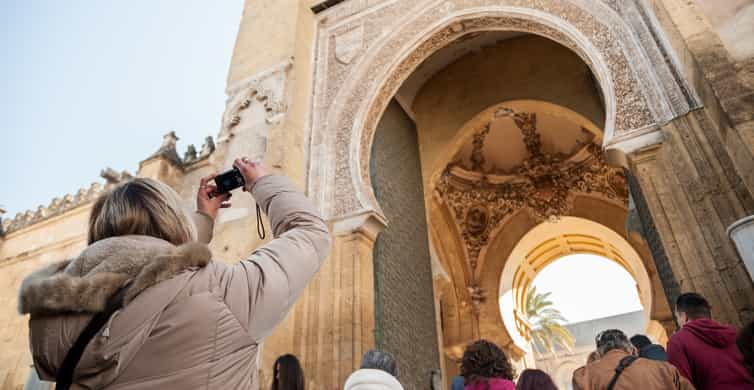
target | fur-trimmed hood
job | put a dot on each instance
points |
(84, 284)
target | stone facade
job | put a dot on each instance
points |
(667, 86)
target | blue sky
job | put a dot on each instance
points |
(91, 84)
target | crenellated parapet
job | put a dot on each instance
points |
(60, 205)
(191, 158)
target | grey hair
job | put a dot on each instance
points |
(380, 360)
(611, 339)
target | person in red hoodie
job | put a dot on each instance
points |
(705, 351)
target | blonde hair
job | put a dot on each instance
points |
(141, 206)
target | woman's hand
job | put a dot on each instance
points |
(207, 199)
(251, 171)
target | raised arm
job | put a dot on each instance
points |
(261, 289)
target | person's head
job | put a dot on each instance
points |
(745, 343)
(380, 360)
(482, 360)
(533, 379)
(613, 339)
(141, 206)
(287, 374)
(640, 341)
(691, 306)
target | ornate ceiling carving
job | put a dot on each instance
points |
(544, 184)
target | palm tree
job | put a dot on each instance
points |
(547, 323)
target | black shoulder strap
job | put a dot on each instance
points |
(624, 363)
(65, 374)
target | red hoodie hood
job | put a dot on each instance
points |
(711, 332)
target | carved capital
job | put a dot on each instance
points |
(368, 223)
(622, 149)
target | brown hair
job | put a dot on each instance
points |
(287, 374)
(483, 360)
(141, 206)
(533, 379)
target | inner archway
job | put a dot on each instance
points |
(524, 184)
(550, 241)
(575, 297)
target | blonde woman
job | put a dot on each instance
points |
(186, 322)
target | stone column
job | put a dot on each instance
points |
(332, 324)
(692, 202)
(742, 234)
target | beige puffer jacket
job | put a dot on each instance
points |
(188, 322)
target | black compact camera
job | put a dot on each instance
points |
(229, 181)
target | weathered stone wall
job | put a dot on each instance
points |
(692, 202)
(404, 301)
(22, 252)
(723, 79)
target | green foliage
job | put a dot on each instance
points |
(547, 323)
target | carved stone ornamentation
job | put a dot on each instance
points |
(348, 44)
(477, 155)
(366, 49)
(478, 297)
(190, 154)
(544, 184)
(266, 89)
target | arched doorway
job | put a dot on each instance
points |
(548, 242)
(489, 170)
(574, 298)
(359, 88)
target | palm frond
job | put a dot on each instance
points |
(548, 330)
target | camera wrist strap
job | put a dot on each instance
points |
(260, 224)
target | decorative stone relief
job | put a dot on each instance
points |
(544, 184)
(190, 158)
(349, 43)
(478, 297)
(266, 89)
(642, 89)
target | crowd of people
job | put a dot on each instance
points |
(703, 354)
(146, 284)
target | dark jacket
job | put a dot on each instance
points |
(705, 352)
(653, 352)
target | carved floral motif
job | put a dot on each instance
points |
(544, 184)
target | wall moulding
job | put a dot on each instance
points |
(383, 42)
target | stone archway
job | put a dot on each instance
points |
(366, 50)
(365, 53)
(546, 243)
(493, 195)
